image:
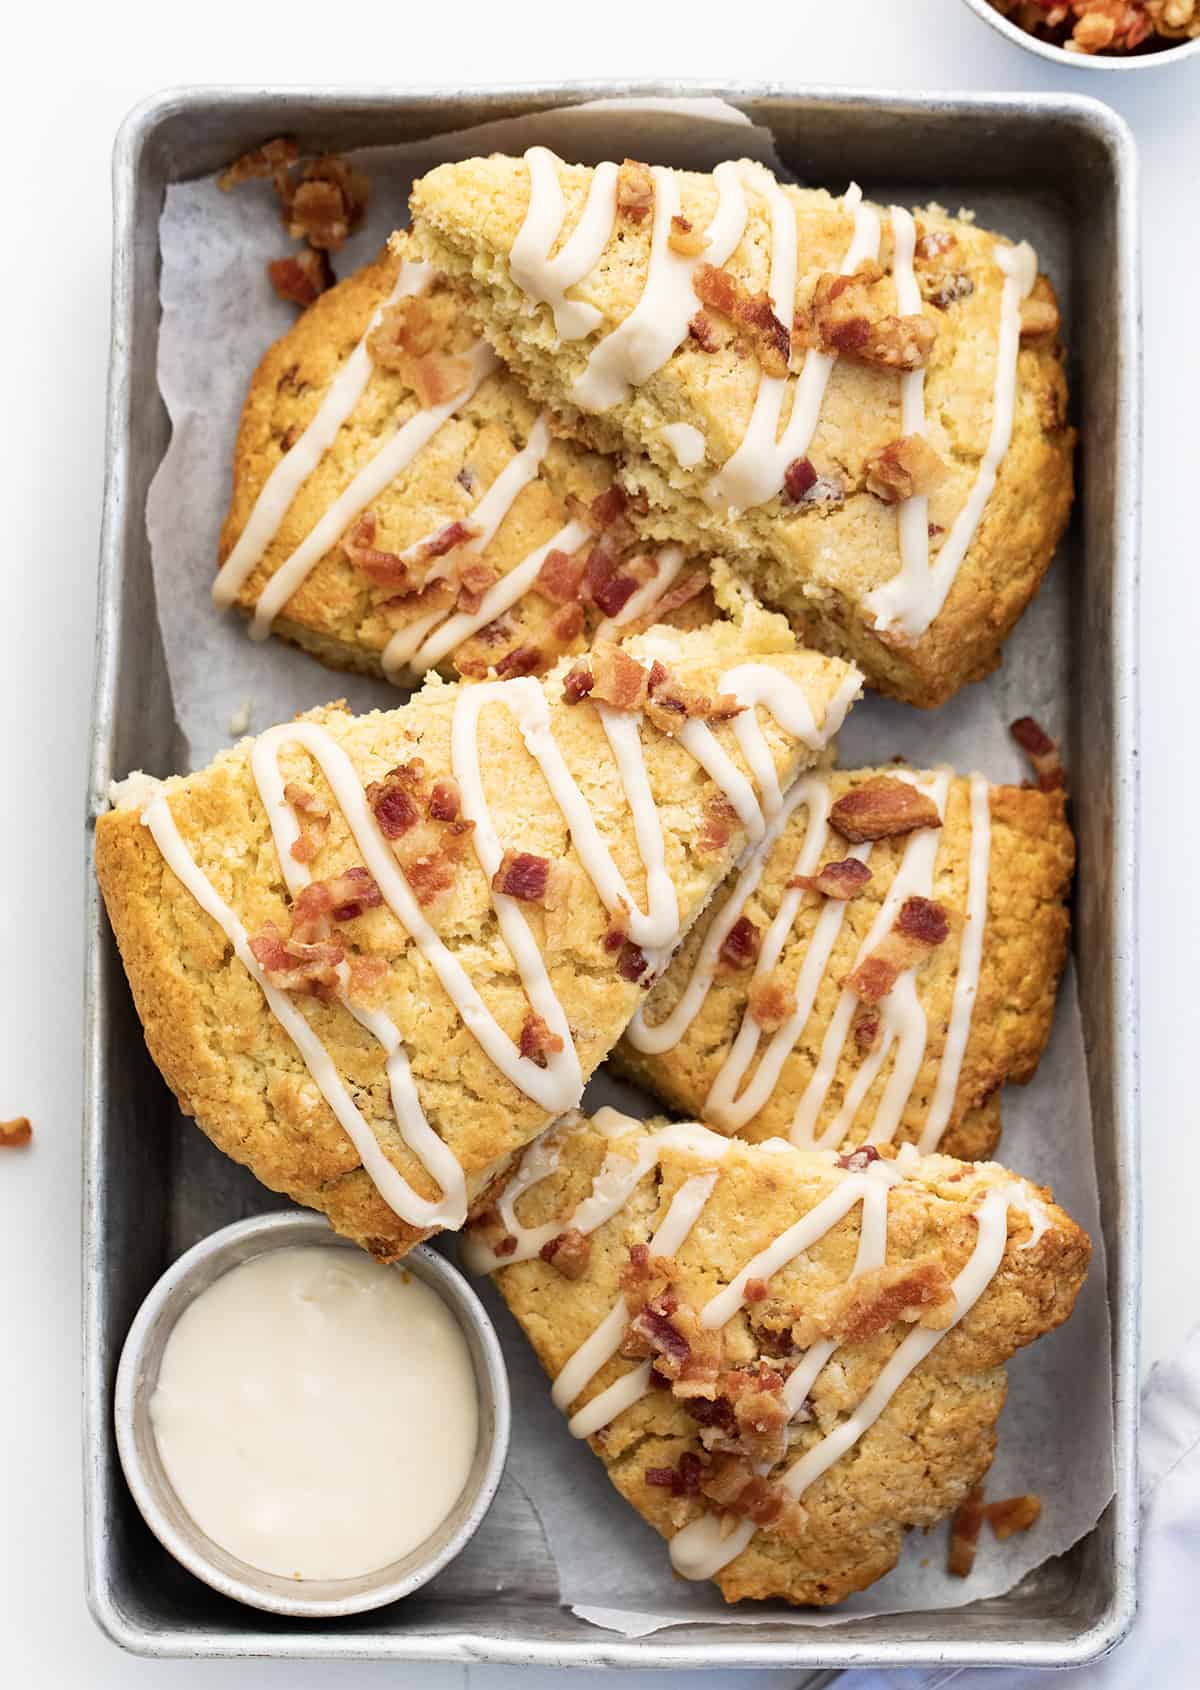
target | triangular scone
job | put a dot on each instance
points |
(376, 955)
(888, 997)
(784, 1359)
(398, 504)
(822, 388)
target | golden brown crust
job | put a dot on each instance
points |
(228, 1060)
(337, 614)
(935, 1438)
(814, 559)
(1024, 952)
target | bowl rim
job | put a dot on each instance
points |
(1080, 61)
(289, 1229)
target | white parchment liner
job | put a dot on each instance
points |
(219, 316)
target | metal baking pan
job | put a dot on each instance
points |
(152, 1184)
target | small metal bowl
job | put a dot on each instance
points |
(162, 1510)
(1082, 61)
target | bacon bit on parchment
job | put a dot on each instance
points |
(964, 1534)
(301, 277)
(1042, 752)
(15, 1133)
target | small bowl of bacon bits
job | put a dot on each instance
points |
(1098, 34)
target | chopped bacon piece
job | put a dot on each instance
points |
(918, 1292)
(328, 203)
(301, 277)
(475, 577)
(720, 291)
(759, 1411)
(617, 679)
(705, 332)
(505, 1246)
(1042, 751)
(685, 238)
(521, 660)
(671, 704)
(670, 1332)
(271, 159)
(447, 539)
(682, 1479)
(1013, 1514)
(733, 1484)
(881, 808)
(849, 317)
(560, 577)
(718, 821)
(608, 587)
(902, 468)
(635, 190)
(858, 1161)
(660, 1337)
(771, 1000)
(920, 926)
(537, 1041)
(631, 962)
(841, 880)
(522, 875)
(341, 897)
(316, 815)
(577, 684)
(428, 847)
(755, 1290)
(445, 801)
(739, 947)
(393, 800)
(15, 1133)
(294, 967)
(566, 624)
(964, 1533)
(798, 478)
(866, 1029)
(382, 568)
(681, 592)
(568, 1252)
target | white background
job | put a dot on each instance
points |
(68, 81)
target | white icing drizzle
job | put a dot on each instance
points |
(701, 1549)
(669, 562)
(912, 517)
(556, 1086)
(908, 603)
(658, 323)
(294, 468)
(903, 1021)
(755, 470)
(685, 442)
(392, 457)
(545, 278)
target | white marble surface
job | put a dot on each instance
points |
(72, 73)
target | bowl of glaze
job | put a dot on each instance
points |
(1168, 54)
(137, 1378)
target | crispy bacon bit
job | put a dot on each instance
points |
(316, 815)
(866, 1029)
(755, 1290)
(842, 880)
(848, 317)
(751, 312)
(920, 926)
(670, 1332)
(631, 962)
(733, 1485)
(654, 1330)
(1013, 1514)
(301, 277)
(521, 660)
(522, 875)
(881, 808)
(566, 624)
(705, 332)
(1039, 313)
(341, 897)
(616, 678)
(635, 190)
(382, 568)
(427, 847)
(271, 159)
(685, 238)
(15, 1133)
(740, 946)
(964, 1534)
(560, 577)
(568, 1252)
(475, 577)
(671, 704)
(858, 1161)
(505, 1246)
(577, 684)
(445, 801)
(798, 478)
(393, 799)
(683, 591)
(759, 1411)
(447, 539)
(918, 1292)
(718, 819)
(1042, 752)
(537, 1041)
(771, 1000)
(681, 1480)
(294, 967)
(903, 467)
(328, 203)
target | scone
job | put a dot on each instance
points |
(399, 504)
(865, 410)
(784, 1358)
(883, 961)
(374, 956)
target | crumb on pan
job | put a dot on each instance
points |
(15, 1132)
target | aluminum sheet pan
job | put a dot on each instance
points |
(152, 1184)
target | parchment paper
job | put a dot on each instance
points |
(219, 316)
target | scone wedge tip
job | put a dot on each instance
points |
(374, 956)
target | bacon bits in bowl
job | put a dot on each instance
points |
(1098, 34)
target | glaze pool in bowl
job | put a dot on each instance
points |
(147, 1476)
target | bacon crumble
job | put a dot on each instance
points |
(718, 820)
(301, 277)
(537, 1042)
(902, 468)
(523, 875)
(1042, 752)
(881, 808)
(568, 1252)
(15, 1133)
(272, 160)
(681, 1480)
(964, 1533)
(1013, 1514)
(428, 847)
(848, 317)
(842, 880)
(341, 897)
(740, 946)
(635, 190)
(798, 479)
(723, 293)
(296, 967)
(920, 926)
